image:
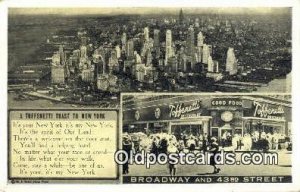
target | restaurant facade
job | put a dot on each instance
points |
(207, 114)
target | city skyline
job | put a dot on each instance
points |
(149, 11)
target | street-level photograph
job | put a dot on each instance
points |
(206, 137)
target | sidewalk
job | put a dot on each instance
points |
(230, 149)
(283, 168)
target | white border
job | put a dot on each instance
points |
(148, 3)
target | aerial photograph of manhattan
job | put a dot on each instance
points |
(86, 57)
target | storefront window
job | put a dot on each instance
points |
(157, 128)
(193, 130)
(266, 126)
(137, 128)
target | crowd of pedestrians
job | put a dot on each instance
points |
(169, 143)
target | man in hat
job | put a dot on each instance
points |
(214, 149)
(127, 147)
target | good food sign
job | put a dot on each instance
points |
(220, 102)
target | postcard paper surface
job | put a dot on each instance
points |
(150, 95)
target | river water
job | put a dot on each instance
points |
(278, 85)
(41, 104)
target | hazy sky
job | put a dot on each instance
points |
(154, 10)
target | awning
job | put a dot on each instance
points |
(263, 119)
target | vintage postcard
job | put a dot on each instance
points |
(206, 138)
(150, 95)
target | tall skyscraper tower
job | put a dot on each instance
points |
(113, 64)
(216, 65)
(146, 34)
(231, 62)
(83, 51)
(156, 38)
(118, 51)
(172, 64)
(156, 43)
(190, 42)
(181, 18)
(62, 55)
(210, 64)
(83, 41)
(200, 39)
(58, 67)
(148, 58)
(206, 54)
(169, 51)
(123, 41)
(130, 49)
(138, 59)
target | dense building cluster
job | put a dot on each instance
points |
(104, 55)
(145, 59)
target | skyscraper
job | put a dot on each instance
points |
(231, 62)
(198, 54)
(197, 22)
(83, 51)
(216, 65)
(99, 58)
(56, 59)
(139, 72)
(190, 41)
(181, 18)
(118, 51)
(181, 60)
(113, 63)
(83, 41)
(130, 49)
(210, 64)
(57, 74)
(169, 51)
(58, 66)
(87, 75)
(206, 54)
(148, 58)
(200, 39)
(156, 43)
(123, 41)
(146, 34)
(62, 55)
(172, 64)
(138, 59)
(156, 38)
